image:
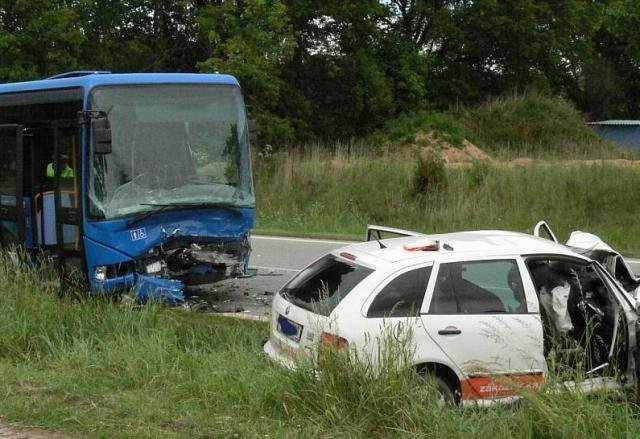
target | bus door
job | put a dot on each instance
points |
(12, 214)
(66, 198)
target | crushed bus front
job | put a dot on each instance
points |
(138, 182)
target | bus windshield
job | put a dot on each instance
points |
(171, 144)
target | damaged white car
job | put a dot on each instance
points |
(487, 311)
(593, 247)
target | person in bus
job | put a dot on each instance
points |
(67, 171)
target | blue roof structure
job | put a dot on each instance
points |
(616, 123)
(625, 133)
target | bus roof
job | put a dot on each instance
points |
(91, 80)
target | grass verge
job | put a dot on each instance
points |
(102, 368)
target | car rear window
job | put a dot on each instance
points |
(321, 286)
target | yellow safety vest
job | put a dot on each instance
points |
(67, 172)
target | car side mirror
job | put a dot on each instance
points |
(101, 136)
(253, 131)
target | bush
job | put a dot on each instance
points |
(478, 172)
(430, 173)
(527, 123)
(531, 123)
(403, 129)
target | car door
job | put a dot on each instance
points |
(391, 327)
(483, 314)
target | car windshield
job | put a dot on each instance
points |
(171, 144)
(323, 284)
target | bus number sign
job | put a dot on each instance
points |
(138, 234)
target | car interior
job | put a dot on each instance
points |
(582, 321)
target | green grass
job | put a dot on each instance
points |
(339, 194)
(102, 368)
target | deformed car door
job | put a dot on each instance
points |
(484, 316)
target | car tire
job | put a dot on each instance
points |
(448, 391)
(448, 395)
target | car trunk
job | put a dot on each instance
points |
(301, 311)
(295, 331)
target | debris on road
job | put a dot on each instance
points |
(233, 296)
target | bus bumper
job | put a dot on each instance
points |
(167, 290)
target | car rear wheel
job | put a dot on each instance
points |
(448, 392)
(448, 395)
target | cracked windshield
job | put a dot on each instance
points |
(172, 145)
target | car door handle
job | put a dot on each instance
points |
(450, 330)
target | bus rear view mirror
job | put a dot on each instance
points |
(101, 135)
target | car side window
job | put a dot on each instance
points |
(403, 296)
(478, 287)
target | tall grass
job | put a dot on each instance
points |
(102, 368)
(323, 193)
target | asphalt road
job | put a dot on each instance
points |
(288, 254)
(276, 260)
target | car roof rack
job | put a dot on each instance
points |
(78, 73)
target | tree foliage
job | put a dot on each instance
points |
(252, 39)
(330, 69)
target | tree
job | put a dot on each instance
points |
(141, 35)
(418, 21)
(252, 39)
(38, 38)
(618, 45)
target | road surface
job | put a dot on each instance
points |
(276, 260)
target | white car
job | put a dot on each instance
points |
(593, 247)
(484, 310)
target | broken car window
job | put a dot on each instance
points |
(402, 297)
(322, 285)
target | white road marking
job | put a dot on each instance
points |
(293, 239)
(244, 316)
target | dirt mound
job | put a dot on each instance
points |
(427, 142)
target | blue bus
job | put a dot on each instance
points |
(138, 182)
